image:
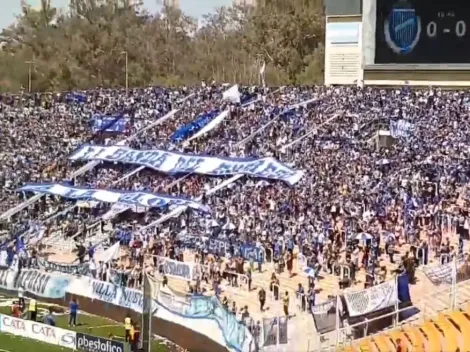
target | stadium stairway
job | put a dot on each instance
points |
(445, 332)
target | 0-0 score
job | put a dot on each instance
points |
(460, 27)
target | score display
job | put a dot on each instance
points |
(422, 32)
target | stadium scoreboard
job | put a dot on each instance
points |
(422, 32)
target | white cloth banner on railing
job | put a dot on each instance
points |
(372, 299)
(112, 253)
(401, 128)
(179, 270)
(143, 199)
(173, 163)
(211, 125)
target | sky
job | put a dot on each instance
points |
(195, 8)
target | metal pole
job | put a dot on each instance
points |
(127, 71)
(29, 74)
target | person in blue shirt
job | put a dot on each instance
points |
(73, 306)
(91, 251)
(49, 318)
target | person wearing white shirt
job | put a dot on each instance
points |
(92, 266)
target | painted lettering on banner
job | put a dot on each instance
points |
(98, 344)
(176, 269)
(172, 162)
(105, 291)
(72, 269)
(7, 279)
(33, 281)
(222, 248)
(37, 331)
(43, 284)
(140, 199)
(372, 299)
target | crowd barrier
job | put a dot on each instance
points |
(448, 297)
(196, 323)
(53, 335)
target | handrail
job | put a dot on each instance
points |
(426, 298)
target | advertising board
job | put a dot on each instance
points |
(98, 344)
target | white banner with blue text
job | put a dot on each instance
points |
(173, 163)
(372, 299)
(178, 270)
(108, 292)
(143, 199)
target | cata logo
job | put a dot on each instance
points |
(402, 28)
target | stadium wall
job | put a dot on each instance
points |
(169, 328)
(194, 334)
(343, 59)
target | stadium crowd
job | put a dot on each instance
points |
(356, 194)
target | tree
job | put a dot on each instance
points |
(83, 47)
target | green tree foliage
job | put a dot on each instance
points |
(86, 45)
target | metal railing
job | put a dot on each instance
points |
(446, 298)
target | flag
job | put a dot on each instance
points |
(262, 71)
(232, 94)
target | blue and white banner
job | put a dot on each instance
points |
(113, 124)
(400, 128)
(173, 163)
(108, 292)
(186, 131)
(211, 125)
(72, 269)
(43, 284)
(372, 299)
(222, 248)
(142, 199)
(178, 270)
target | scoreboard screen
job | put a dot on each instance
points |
(422, 32)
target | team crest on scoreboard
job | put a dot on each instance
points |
(402, 28)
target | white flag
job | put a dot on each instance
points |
(262, 68)
(232, 94)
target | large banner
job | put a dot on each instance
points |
(42, 284)
(372, 299)
(174, 163)
(71, 269)
(143, 199)
(178, 270)
(113, 124)
(7, 279)
(108, 292)
(223, 248)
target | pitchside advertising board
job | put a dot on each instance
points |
(97, 344)
(422, 32)
(37, 331)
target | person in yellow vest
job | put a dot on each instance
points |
(135, 336)
(128, 327)
(33, 309)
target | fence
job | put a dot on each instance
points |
(449, 297)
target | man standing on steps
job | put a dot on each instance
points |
(262, 298)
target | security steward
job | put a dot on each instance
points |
(33, 309)
(135, 336)
(128, 327)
